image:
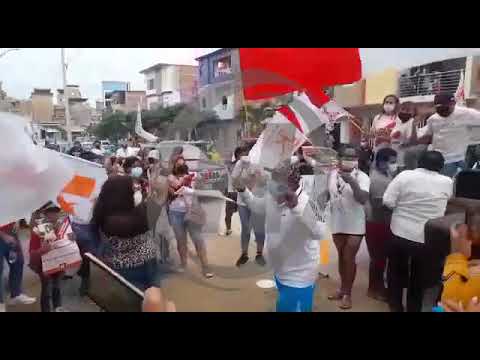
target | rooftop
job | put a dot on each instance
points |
(214, 53)
(160, 65)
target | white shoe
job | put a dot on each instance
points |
(61, 309)
(2, 307)
(22, 299)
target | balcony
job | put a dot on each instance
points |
(426, 85)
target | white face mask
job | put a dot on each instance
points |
(294, 159)
(392, 168)
(137, 172)
(389, 108)
(137, 197)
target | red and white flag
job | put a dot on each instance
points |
(307, 117)
(271, 72)
(460, 93)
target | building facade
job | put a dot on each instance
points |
(170, 84)
(42, 106)
(418, 84)
(108, 87)
(220, 91)
(127, 101)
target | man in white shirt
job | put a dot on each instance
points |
(447, 132)
(125, 151)
(97, 148)
(292, 238)
(415, 196)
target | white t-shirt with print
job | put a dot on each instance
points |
(383, 123)
(450, 134)
(347, 215)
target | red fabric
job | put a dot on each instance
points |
(35, 242)
(7, 228)
(290, 115)
(270, 72)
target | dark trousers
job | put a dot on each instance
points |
(406, 263)
(51, 294)
(230, 209)
(377, 236)
(15, 275)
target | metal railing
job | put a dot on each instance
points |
(429, 83)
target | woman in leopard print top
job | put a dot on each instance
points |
(128, 245)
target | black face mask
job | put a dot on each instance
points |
(404, 117)
(443, 111)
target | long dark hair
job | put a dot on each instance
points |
(115, 198)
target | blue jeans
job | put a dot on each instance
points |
(257, 222)
(180, 228)
(452, 169)
(292, 299)
(143, 276)
(15, 275)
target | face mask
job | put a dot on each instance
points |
(137, 198)
(294, 159)
(137, 172)
(363, 144)
(389, 108)
(392, 168)
(443, 111)
(404, 117)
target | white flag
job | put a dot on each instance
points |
(277, 143)
(139, 128)
(30, 175)
(78, 195)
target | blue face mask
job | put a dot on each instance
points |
(137, 172)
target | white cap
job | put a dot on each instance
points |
(154, 154)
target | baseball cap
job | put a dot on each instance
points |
(443, 99)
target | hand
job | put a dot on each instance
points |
(9, 240)
(180, 191)
(453, 306)
(459, 240)
(154, 301)
(291, 199)
(347, 177)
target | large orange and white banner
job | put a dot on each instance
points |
(79, 194)
(31, 175)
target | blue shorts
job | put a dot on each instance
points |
(292, 299)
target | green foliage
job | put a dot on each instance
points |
(162, 120)
(253, 116)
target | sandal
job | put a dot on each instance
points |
(336, 296)
(207, 273)
(346, 303)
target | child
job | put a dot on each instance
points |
(40, 244)
(292, 238)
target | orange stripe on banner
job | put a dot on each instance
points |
(81, 186)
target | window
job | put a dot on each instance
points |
(224, 102)
(223, 66)
(150, 84)
(204, 103)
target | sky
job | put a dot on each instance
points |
(22, 70)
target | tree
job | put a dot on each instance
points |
(162, 121)
(253, 116)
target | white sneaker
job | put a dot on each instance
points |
(22, 299)
(61, 309)
(2, 307)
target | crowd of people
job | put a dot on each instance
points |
(385, 191)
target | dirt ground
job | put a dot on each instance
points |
(231, 290)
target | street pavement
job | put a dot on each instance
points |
(232, 288)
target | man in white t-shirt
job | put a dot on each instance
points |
(292, 237)
(415, 196)
(349, 191)
(125, 151)
(447, 132)
(401, 136)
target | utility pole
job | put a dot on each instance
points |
(65, 99)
